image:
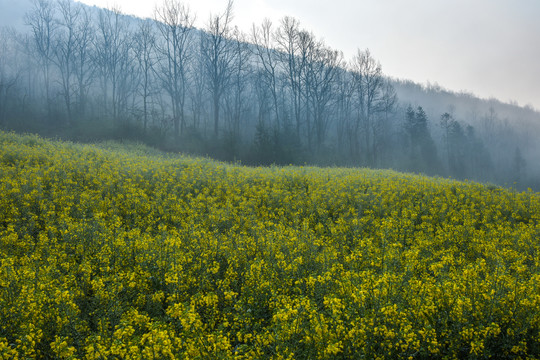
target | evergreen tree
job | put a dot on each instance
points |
(422, 149)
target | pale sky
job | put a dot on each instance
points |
(488, 47)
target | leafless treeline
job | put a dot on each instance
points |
(277, 94)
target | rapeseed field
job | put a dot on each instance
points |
(115, 252)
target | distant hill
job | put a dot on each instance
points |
(468, 106)
(489, 117)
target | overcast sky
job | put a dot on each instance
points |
(488, 47)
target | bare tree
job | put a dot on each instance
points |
(320, 75)
(446, 124)
(384, 136)
(112, 56)
(175, 24)
(197, 92)
(263, 96)
(9, 75)
(43, 27)
(83, 66)
(489, 124)
(236, 101)
(344, 103)
(268, 60)
(294, 47)
(65, 46)
(144, 47)
(218, 56)
(369, 84)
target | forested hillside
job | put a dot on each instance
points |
(278, 94)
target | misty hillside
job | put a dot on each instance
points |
(277, 95)
(498, 123)
(468, 107)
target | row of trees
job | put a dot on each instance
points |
(276, 95)
(165, 73)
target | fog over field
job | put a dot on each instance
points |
(356, 84)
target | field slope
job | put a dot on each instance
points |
(119, 252)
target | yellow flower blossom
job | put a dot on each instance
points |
(115, 251)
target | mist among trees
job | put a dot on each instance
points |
(275, 95)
